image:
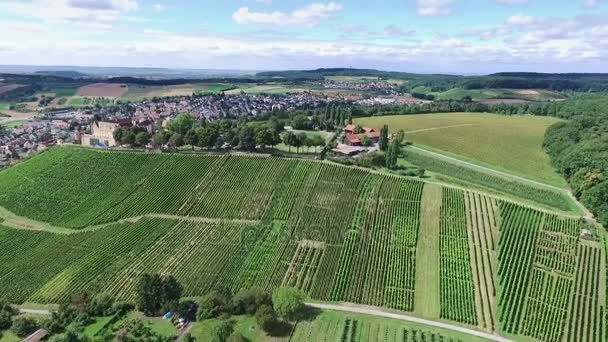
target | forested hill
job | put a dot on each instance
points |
(438, 82)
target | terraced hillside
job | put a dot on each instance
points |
(77, 219)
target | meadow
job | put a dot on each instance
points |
(339, 234)
(506, 143)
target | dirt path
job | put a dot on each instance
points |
(426, 298)
(379, 313)
(439, 127)
(35, 312)
(12, 220)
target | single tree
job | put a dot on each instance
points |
(141, 139)
(383, 140)
(182, 124)
(366, 141)
(247, 137)
(117, 134)
(176, 140)
(289, 140)
(288, 302)
(128, 138)
(191, 138)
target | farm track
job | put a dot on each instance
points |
(380, 313)
(17, 222)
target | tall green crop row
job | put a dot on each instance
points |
(518, 233)
(586, 311)
(457, 291)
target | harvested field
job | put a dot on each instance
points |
(9, 87)
(103, 90)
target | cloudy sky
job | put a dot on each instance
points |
(459, 36)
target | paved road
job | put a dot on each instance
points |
(380, 313)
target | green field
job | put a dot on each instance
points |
(65, 92)
(339, 234)
(508, 143)
(4, 106)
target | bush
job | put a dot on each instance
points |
(222, 331)
(249, 300)
(121, 308)
(213, 304)
(288, 302)
(101, 305)
(24, 326)
(266, 318)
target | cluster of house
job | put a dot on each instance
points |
(382, 87)
(34, 137)
(222, 106)
(400, 100)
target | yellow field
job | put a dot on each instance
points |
(508, 143)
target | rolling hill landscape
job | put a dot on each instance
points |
(303, 171)
(339, 234)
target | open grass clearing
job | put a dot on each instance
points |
(507, 143)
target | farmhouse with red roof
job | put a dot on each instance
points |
(354, 139)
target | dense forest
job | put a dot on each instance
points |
(579, 150)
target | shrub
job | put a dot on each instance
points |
(222, 331)
(23, 326)
(266, 318)
(213, 304)
(249, 300)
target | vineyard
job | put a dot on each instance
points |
(337, 233)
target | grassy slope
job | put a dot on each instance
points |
(511, 143)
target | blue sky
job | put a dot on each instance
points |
(456, 36)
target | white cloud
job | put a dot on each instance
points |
(521, 20)
(85, 12)
(310, 15)
(433, 8)
(158, 7)
(513, 2)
